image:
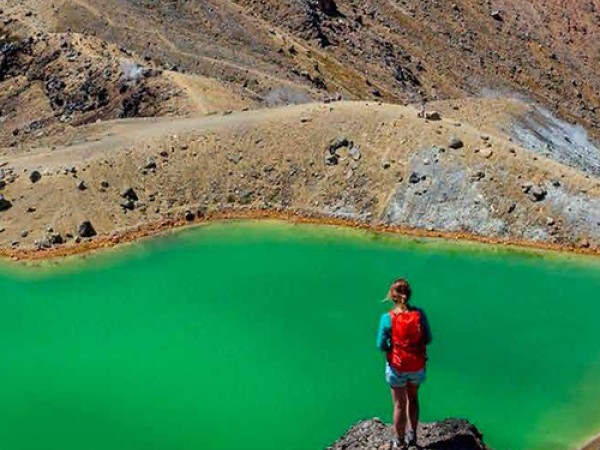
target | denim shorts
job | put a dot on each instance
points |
(401, 379)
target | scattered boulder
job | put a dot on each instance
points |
(4, 204)
(150, 163)
(331, 159)
(24, 233)
(456, 143)
(128, 204)
(537, 194)
(386, 164)
(35, 176)
(534, 192)
(202, 212)
(235, 158)
(486, 153)
(52, 240)
(477, 175)
(550, 221)
(129, 194)
(104, 184)
(414, 178)
(81, 185)
(449, 434)
(86, 230)
(337, 144)
(497, 15)
(189, 216)
(433, 115)
(354, 153)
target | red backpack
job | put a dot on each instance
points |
(408, 354)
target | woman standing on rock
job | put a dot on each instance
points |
(404, 334)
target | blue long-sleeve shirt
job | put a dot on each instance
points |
(384, 334)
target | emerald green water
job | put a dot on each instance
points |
(261, 336)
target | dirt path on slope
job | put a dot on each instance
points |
(114, 135)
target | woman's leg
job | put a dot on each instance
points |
(399, 398)
(412, 394)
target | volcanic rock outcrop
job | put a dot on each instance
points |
(449, 434)
(50, 81)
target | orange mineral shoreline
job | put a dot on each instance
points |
(593, 444)
(298, 217)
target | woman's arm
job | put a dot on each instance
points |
(427, 337)
(384, 334)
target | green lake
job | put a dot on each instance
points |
(261, 336)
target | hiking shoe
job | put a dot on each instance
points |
(398, 444)
(410, 439)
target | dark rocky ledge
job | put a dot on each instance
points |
(449, 434)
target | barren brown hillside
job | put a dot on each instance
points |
(399, 50)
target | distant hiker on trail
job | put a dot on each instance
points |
(404, 334)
